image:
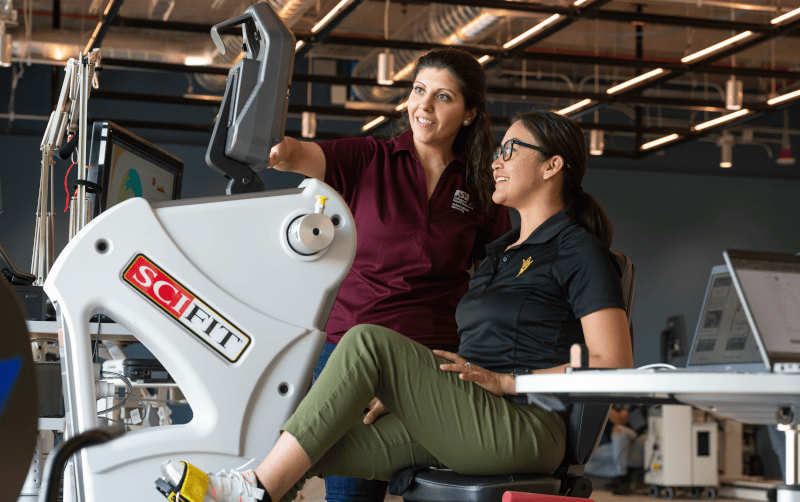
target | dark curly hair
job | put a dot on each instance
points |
(474, 142)
(559, 135)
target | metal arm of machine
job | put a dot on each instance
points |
(70, 115)
(252, 117)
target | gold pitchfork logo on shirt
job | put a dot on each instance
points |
(525, 264)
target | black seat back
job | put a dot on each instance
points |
(586, 421)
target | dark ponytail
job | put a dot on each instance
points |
(559, 135)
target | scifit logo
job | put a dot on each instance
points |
(187, 309)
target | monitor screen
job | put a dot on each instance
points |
(723, 335)
(771, 285)
(125, 165)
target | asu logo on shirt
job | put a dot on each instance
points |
(525, 264)
(461, 201)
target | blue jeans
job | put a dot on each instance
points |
(348, 489)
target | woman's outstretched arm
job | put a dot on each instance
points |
(301, 157)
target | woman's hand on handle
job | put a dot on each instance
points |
(498, 384)
(301, 157)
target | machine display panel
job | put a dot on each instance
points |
(124, 165)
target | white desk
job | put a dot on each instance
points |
(756, 398)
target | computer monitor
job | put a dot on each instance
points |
(723, 340)
(769, 285)
(124, 165)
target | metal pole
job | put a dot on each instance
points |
(82, 124)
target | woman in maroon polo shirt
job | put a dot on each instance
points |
(422, 204)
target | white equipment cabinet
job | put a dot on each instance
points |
(215, 291)
(680, 453)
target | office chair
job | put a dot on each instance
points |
(585, 424)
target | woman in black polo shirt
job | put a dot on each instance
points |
(546, 285)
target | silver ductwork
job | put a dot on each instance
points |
(439, 24)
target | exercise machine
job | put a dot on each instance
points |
(229, 293)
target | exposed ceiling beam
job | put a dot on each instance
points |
(660, 75)
(562, 57)
(708, 105)
(327, 24)
(606, 15)
(531, 8)
(706, 132)
(559, 24)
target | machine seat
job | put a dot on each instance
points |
(439, 485)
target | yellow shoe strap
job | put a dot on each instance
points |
(194, 485)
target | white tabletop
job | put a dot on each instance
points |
(747, 397)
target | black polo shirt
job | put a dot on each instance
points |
(523, 308)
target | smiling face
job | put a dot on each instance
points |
(436, 108)
(519, 180)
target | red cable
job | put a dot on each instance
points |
(66, 207)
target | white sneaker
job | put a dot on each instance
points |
(180, 484)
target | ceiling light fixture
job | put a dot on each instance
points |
(574, 108)
(579, 3)
(533, 31)
(789, 15)
(374, 123)
(660, 141)
(401, 106)
(785, 157)
(5, 46)
(404, 72)
(309, 125)
(734, 94)
(717, 47)
(299, 45)
(786, 97)
(386, 58)
(721, 120)
(596, 143)
(386, 68)
(330, 15)
(485, 59)
(634, 81)
(725, 143)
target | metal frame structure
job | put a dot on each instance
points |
(659, 71)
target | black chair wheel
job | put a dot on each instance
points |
(669, 493)
(654, 491)
(711, 493)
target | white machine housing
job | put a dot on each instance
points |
(234, 314)
(678, 451)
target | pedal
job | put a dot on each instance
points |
(166, 489)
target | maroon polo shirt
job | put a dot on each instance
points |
(412, 254)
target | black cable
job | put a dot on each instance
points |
(54, 467)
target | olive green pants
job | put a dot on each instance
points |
(435, 418)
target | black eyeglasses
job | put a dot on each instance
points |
(508, 147)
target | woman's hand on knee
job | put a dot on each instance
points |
(496, 383)
(376, 409)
